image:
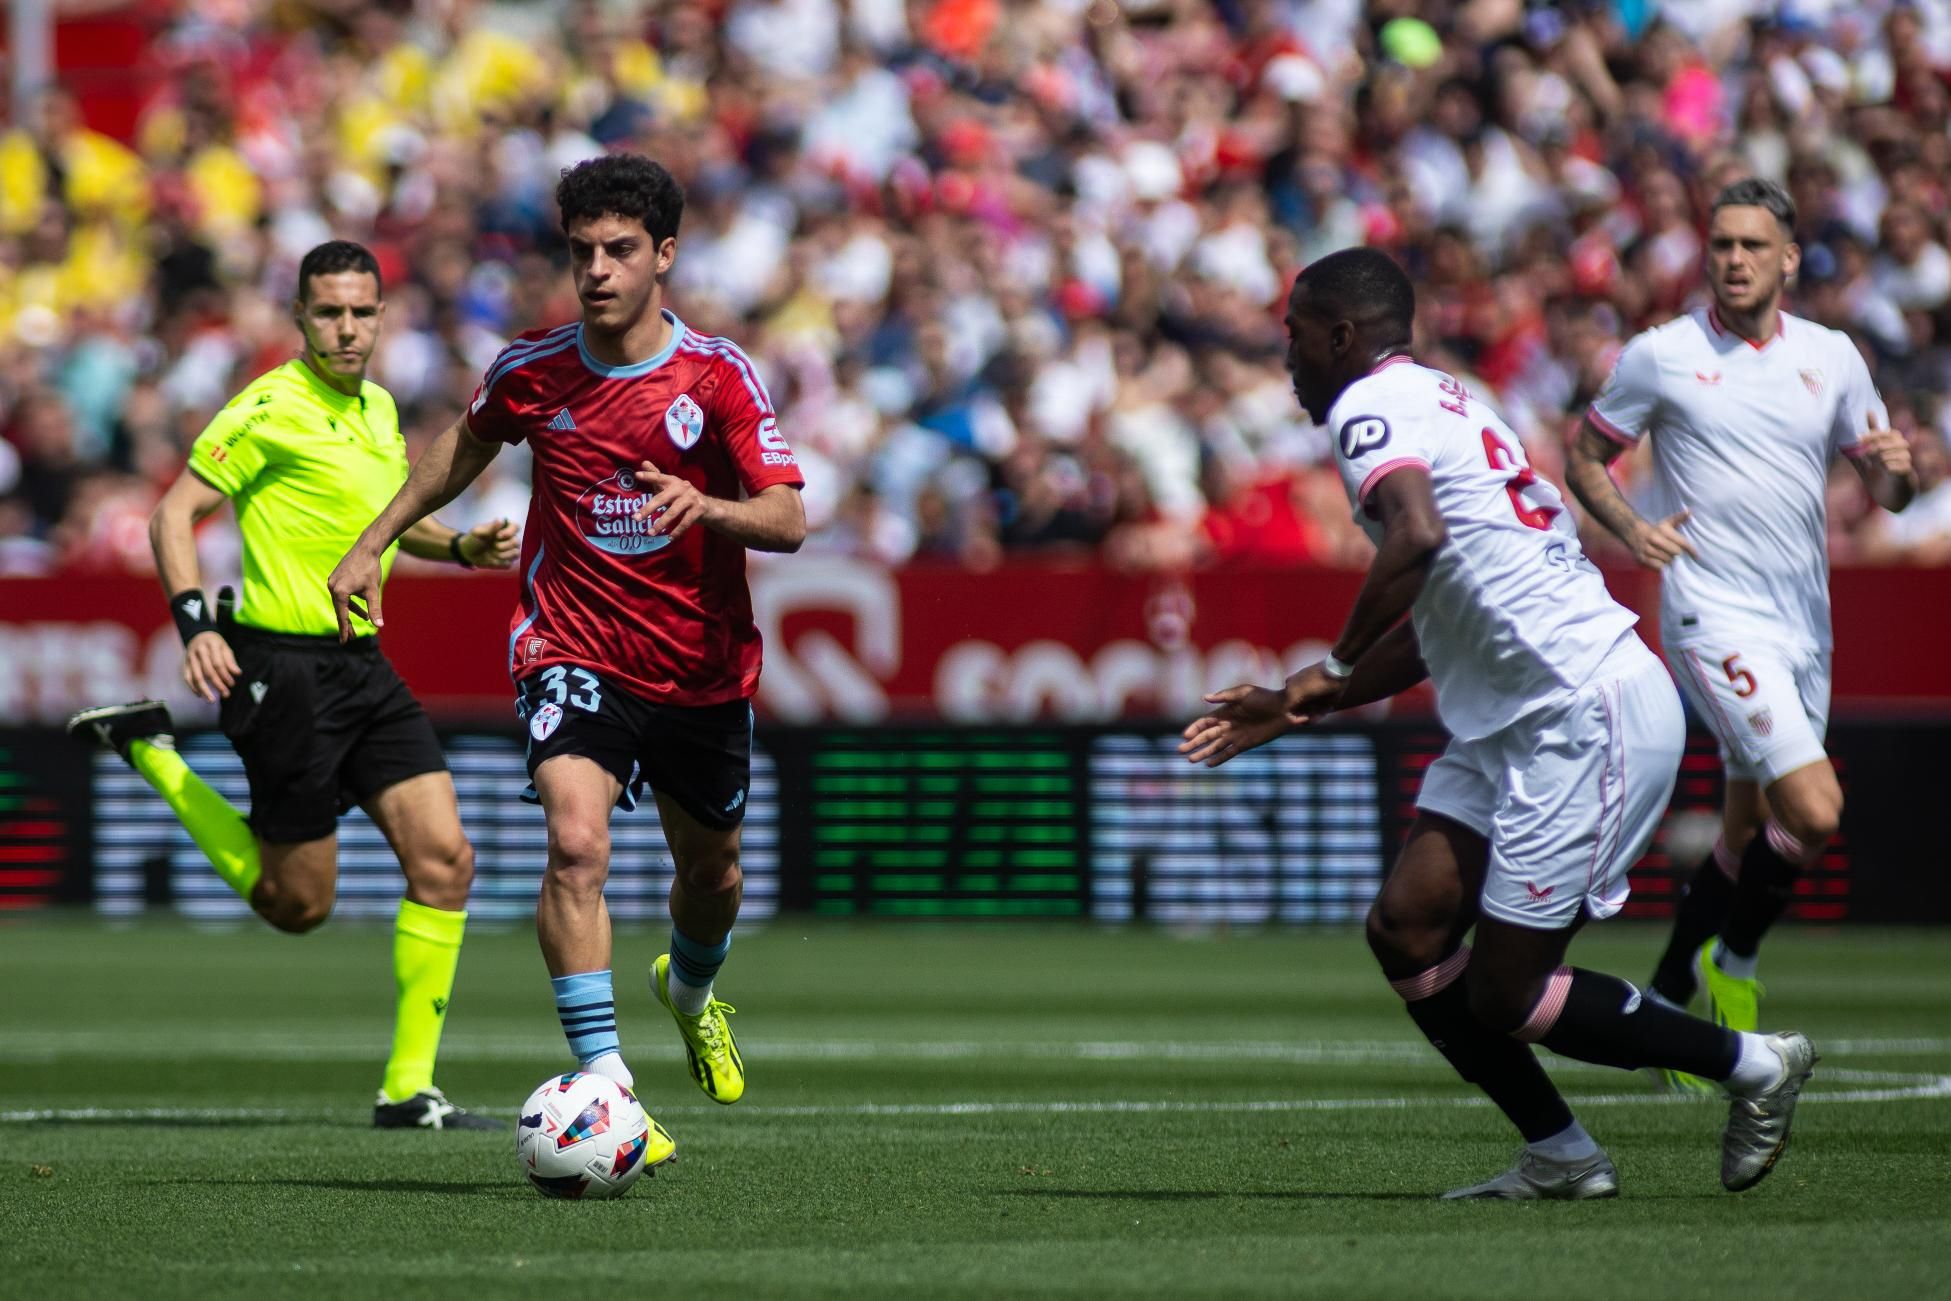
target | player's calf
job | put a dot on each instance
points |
(442, 874)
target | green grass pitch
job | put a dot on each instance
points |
(931, 1112)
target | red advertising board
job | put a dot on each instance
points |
(853, 641)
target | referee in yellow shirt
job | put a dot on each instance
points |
(308, 454)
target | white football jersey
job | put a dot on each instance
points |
(1513, 616)
(1743, 437)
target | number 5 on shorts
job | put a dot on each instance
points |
(589, 699)
(1744, 681)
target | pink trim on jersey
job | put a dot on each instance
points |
(1855, 451)
(1385, 469)
(1550, 1007)
(1610, 430)
(1788, 846)
(1725, 860)
(1781, 328)
(1427, 984)
(1400, 359)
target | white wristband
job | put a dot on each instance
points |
(1335, 669)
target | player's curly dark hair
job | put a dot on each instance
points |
(333, 257)
(622, 185)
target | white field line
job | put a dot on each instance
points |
(48, 1047)
(1926, 1087)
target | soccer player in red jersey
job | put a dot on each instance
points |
(657, 463)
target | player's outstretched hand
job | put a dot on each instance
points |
(1658, 545)
(675, 503)
(209, 666)
(1888, 448)
(1244, 717)
(496, 544)
(354, 585)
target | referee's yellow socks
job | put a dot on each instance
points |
(426, 949)
(218, 829)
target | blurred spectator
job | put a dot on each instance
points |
(1012, 270)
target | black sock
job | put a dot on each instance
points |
(1605, 1021)
(1499, 1065)
(1698, 919)
(1767, 884)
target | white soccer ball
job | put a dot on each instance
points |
(582, 1135)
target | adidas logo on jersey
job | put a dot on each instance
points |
(563, 420)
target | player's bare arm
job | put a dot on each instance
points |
(774, 519)
(1250, 716)
(455, 460)
(1413, 532)
(1589, 474)
(209, 666)
(492, 544)
(1885, 466)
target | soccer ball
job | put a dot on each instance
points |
(582, 1135)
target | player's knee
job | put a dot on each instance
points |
(1813, 816)
(292, 911)
(1404, 938)
(579, 855)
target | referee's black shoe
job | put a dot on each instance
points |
(115, 726)
(428, 1109)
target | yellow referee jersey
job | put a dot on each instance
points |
(307, 468)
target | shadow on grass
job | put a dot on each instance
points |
(1281, 1195)
(1207, 1195)
(460, 1187)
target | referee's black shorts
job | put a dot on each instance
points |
(320, 727)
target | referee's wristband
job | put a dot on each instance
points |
(191, 610)
(454, 550)
(1337, 670)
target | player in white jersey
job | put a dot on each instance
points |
(1565, 731)
(1746, 407)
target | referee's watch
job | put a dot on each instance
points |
(454, 550)
(1337, 669)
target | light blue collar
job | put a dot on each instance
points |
(638, 368)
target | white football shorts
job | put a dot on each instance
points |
(1569, 795)
(1767, 703)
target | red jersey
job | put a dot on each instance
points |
(669, 621)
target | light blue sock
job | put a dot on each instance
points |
(586, 1004)
(697, 964)
(693, 967)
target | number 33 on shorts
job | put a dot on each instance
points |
(556, 688)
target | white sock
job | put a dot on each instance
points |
(1758, 1066)
(1732, 964)
(688, 999)
(1571, 1143)
(611, 1064)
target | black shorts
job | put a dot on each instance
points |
(700, 756)
(320, 727)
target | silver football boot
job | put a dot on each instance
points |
(1535, 1178)
(1757, 1125)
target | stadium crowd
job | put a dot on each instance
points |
(1013, 269)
